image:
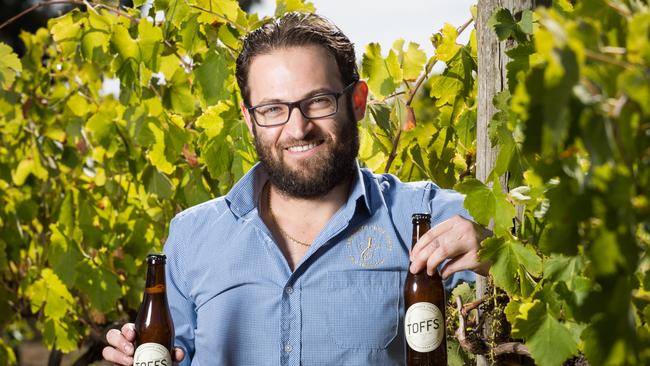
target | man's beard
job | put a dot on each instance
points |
(322, 172)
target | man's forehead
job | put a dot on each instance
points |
(291, 71)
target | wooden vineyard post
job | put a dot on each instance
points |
(492, 62)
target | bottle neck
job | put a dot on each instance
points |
(155, 283)
(419, 228)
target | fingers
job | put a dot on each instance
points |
(439, 255)
(468, 261)
(431, 235)
(419, 260)
(128, 331)
(118, 340)
(120, 349)
(457, 239)
(441, 242)
(179, 354)
(113, 355)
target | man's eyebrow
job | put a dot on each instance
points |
(308, 95)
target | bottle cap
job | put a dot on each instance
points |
(417, 217)
(155, 258)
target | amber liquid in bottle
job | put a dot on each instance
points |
(424, 300)
(154, 329)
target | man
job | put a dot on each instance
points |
(304, 260)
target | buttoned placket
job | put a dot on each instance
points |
(290, 309)
(290, 325)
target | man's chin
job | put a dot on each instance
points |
(305, 182)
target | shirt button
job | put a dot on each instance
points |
(288, 348)
(288, 290)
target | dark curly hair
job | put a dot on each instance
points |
(296, 29)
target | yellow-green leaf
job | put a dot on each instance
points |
(384, 74)
(412, 59)
(78, 105)
(150, 39)
(61, 333)
(101, 127)
(49, 292)
(216, 10)
(66, 31)
(9, 65)
(23, 170)
(286, 6)
(157, 153)
(126, 46)
(211, 119)
(445, 40)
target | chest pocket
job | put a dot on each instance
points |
(363, 308)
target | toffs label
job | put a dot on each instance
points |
(424, 327)
(152, 354)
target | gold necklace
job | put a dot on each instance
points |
(284, 233)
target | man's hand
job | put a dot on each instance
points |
(457, 239)
(121, 352)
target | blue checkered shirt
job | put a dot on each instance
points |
(235, 301)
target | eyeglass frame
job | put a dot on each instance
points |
(296, 104)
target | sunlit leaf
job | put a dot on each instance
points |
(157, 153)
(549, 341)
(9, 65)
(512, 261)
(383, 74)
(50, 294)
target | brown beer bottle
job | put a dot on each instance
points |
(424, 300)
(154, 329)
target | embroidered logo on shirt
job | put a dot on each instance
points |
(368, 246)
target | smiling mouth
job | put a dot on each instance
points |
(304, 147)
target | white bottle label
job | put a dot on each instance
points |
(424, 327)
(152, 354)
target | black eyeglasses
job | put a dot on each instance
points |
(318, 106)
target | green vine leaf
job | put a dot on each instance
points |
(9, 66)
(384, 74)
(51, 295)
(550, 341)
(513, 264)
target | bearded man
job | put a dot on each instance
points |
(304, 260)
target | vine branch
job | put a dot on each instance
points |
(226, 20)
(85, 3)
(610, 60)
(464, 26)
(475, 344)
(411, 95)
(38, 6)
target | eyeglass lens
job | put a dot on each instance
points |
(316, 107)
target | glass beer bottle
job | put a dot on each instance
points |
(424, 300)
(154, 329)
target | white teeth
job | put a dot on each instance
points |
(302, 148)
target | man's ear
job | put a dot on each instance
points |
(247, 118)
(359, 100)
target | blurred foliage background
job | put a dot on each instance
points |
(113, 119)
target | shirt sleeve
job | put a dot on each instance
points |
(180, 303)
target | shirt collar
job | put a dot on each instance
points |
(244, 195)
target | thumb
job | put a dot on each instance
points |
(179, 354)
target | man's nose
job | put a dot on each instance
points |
(298, 125)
